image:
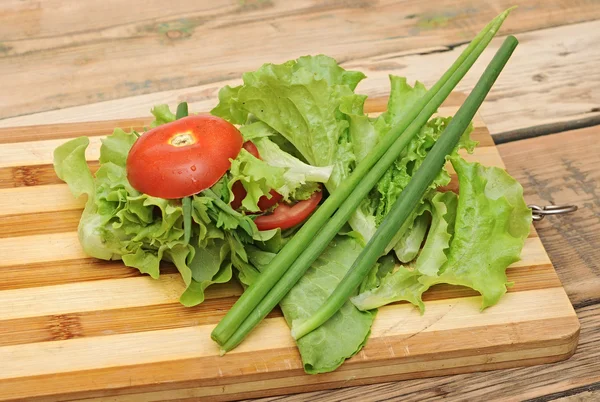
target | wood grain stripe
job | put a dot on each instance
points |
(31, 200)
(39, 248)
(126, 382)
(39, 223)
(177, 344)
(174, 315)
(99, 295)
(28, 271)
(35, 175)
(40, 152)
(43, 273)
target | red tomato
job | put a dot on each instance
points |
(286, 216)
(239, 192)
(184, 157)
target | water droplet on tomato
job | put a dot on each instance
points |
(193, 168)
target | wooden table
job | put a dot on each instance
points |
(64, 61)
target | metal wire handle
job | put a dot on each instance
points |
(540, 213)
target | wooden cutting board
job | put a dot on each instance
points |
(73, 327)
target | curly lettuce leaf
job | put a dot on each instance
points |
(300, 100)
(402, 284)
(257, 177)
(211, 264)
(344, 334)
(119, 222)
(365, 132)
(400, 173)
(71, 167)
(228, 107)
(402, 98)
(299, 179)
(472, 240)
(162, 115)
(409, 245)
(443, 215)
(492, 223)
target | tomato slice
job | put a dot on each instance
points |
(239, 192)
(184, 157)
(264, 203)
(250, 147)
(286, 216)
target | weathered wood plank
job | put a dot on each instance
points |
(541, 85)
(560, 169)
(563, 169)
(94, 62)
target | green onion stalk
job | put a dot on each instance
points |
(295, 258)
(410, 196)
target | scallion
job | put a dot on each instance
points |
(186, 205)
(182, 110)
(251, 307)
(411, 195)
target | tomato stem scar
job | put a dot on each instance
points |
(182, 140)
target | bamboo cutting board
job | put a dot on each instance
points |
(72, 327)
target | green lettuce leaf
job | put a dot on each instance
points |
(257, 177)
(473, 238)
(409, 245)
(344, 334)
(162, 115)
(433, 254)
(365, 132)
(71, 166)
(118, 222)
(299, 100)
(402, 284)
(492, 223)
(210, 265)
(399, 175)
(402, 98)
(299, 178)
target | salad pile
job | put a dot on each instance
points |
(219, 195)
